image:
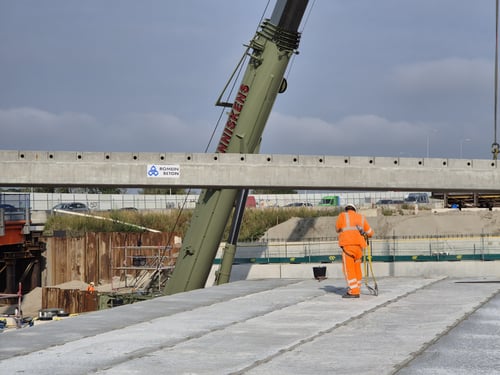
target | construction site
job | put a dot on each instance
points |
(40, 271)
(427, 300)
(44, 271)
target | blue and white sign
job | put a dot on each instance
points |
(164, 171)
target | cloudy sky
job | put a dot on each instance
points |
(407, 78)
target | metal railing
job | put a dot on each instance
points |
(46, 201)
(480, 247)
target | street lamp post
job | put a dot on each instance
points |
(462, 145)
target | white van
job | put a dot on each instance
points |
(417, 198)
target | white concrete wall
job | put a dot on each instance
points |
(461, 269)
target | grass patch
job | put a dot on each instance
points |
(255, 221)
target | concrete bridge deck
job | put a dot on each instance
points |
(251, 171)
(277, 326)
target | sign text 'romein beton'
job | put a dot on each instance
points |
(164, 171)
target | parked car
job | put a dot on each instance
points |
(72, 206)
(299, 204)
(382, 202)
(417, 198)
(8, 207)
(330, 201)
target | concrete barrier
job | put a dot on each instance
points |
(478, 269)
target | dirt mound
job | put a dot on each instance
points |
(298, 229)
(440, 223)
(425, 223)
(32, 302)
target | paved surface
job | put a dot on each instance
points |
(276, 326)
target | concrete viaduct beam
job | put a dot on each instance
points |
(200, 170)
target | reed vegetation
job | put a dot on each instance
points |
(256, 221)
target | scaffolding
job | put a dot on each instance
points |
(141, 267)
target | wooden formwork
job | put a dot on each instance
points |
(72, 301)
(93, 256)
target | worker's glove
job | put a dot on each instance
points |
(361, 231)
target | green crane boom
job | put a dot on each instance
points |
(271, 49)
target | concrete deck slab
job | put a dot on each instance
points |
(472, 347)
(272, 326)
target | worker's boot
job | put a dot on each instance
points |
(349, 295)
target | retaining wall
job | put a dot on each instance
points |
(472, 269)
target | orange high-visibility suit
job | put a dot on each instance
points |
(352, 227)
(91, 288)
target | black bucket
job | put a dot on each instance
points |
(319, 273)
(139, 261)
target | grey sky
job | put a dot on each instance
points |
(381, 78)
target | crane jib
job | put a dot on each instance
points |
(273, 45)
(236, 109)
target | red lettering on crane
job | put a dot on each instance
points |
(237, 106)
(240, 98)
(225, 139)
(234, 116)
(244, 89)
(232, 121)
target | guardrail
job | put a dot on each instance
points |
(445, 248)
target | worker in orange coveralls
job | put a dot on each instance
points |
(352, 228)
(91, 287)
